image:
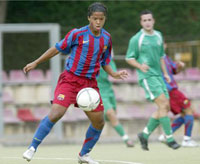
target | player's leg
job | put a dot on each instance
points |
(177, 123)
(62, 100)
(176, 108)
(44, 128)
(109, 103)
(153, 89)
(111, 115)
(164, 120)
(188, 121)
(92, 135)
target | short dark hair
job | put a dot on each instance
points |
(97, 7)
(144, 12)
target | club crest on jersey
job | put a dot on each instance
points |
(105, 48)
(186, 101)
(61, 97)
(159, 42)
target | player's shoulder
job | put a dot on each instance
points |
(106, 33)
(158, 33)
(136, 36)
(81, 30)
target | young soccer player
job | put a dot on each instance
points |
(179, 103)
(109, 102)
(145, 53)
(89, 48)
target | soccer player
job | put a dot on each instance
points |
(179, 103)
(89, 48)
(109, 102)
(145, 53)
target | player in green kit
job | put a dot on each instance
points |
(145, 53)
(109, 102)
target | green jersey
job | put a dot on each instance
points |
(103, 82)
(148, 49)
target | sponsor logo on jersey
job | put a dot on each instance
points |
(61, 97)
(85, 41)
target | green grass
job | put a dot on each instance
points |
(105, 153)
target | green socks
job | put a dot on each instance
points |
(119, 129)
(152, 124)
(165, 122)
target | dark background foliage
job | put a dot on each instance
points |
(177, 20)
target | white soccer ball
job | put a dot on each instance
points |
(88, 99)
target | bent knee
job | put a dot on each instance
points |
(56, 113)
(98, 124)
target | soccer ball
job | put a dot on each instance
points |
(88, 99)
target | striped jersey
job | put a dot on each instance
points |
(171, 70)
(87, 51)
(148, 49)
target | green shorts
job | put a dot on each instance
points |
(109, 102)
(154, 86)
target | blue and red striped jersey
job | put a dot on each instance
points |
(87, 51)
(171, 70)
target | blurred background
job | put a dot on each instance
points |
(26, 97)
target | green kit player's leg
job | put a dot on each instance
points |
(151, 126)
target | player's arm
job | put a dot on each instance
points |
(133, 53)
(164, 70)
(117, 75)
(143, 67)
(51, 52)
(179, 66)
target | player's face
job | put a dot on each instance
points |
(97, 20)
(147, 22)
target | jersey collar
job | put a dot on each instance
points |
(143, 31)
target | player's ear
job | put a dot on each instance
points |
(88, 18)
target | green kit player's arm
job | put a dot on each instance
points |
(143, 67)
(164, 70)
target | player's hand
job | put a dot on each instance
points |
(123, 74)
(167, 78)
(180, 64)
(144, 67)
(29, 67)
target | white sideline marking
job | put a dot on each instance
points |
(72, 159)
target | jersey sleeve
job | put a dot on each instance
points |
(107, 54)
(133, 49)
(65, 44)
(173, 65)
(162, 53)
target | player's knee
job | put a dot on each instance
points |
(188, 111)
(110, 114)
(56, 113)
(99, 124)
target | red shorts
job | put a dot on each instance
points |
(178, 101)
(69, 85)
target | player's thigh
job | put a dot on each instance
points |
(179, 102)
(56, 112)
(154, 86)
(109, 104)
(96, 119)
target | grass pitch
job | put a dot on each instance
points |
(105, 154)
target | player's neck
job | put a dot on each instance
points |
(95, 33)
(148, 32)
